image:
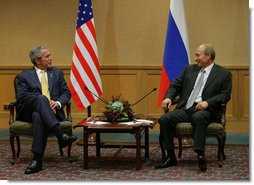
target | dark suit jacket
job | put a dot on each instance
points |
(28, 87)
(217, 89)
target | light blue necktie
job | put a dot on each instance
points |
(196, 90)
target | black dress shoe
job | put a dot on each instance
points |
(169, 162)
(66, 140)
(34, 167)
(202, 163)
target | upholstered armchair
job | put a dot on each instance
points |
(20, 128)
(185, 130)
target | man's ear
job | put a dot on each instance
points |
(208, 55)
(37, 61)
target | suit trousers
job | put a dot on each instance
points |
(43, 119)
(198, 119)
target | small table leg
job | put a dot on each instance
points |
(138, 153)
(85, 147)
(146, 142)
(98, 144)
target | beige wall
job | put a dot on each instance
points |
(129, 32)
(131, 37)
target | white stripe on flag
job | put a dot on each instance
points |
(179, 17)
(84, 76)
(88, 58)
(79, 91)
(90, 38)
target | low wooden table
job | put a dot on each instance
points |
(137, 129)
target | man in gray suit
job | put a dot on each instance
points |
(201, 88)
(43, 108)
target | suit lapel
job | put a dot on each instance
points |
(35, 78)
(50, 78)
(211, 76)
(195, 75)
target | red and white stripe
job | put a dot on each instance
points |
(85, 71)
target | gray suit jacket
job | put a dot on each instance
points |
(28, 87)
(217, 89)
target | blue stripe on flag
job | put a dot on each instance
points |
(175, 53)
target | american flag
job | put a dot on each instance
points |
(85, 70)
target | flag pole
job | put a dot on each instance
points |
(91, 138)
(89, 111)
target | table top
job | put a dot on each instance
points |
(97, 123)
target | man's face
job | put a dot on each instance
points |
(202, 59)
(45, 61)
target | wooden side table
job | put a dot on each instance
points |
(137, 129)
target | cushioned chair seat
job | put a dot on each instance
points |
(23, 127)
(186, 128)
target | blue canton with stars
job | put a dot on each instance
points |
(85, 12)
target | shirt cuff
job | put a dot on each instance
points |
(59, 107)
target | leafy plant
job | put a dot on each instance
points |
(118, 110)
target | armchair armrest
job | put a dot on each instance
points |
(174, 101)
(68, 112)
(223, 114)
(11, 108)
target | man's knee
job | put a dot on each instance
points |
(202, 114)
(162, 120)
(166, 121)
(41, 101)
(198, 116)
(201, 117)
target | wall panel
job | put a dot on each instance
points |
(134, 82)
(244, 95)
(233, 104)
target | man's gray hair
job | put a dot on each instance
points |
(208, 49)
(35, 53)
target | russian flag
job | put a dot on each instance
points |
(176, 52)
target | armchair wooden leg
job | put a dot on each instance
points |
(60, 150)
(69, 149)
(18, 143)
(12, 148)
(223, 145)
(180, 145)
(220, 149)
(69, 153)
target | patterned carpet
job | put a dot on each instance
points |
(236, 166)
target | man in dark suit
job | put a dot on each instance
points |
(199, 102)
(42, 106)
